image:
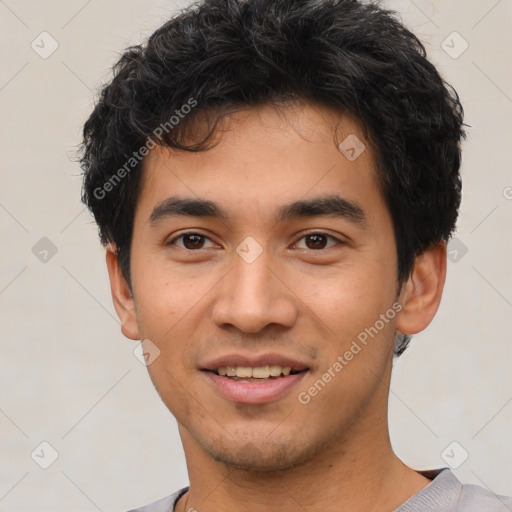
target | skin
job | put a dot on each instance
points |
(295, 299)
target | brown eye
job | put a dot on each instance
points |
(191, 241)
(317, 241)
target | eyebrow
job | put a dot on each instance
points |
(330, 205)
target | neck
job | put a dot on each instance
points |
(358, 472)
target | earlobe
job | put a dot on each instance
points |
(121, 296)
(421, 294)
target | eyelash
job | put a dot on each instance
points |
(338, 242)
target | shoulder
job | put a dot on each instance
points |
(446, 493)
(474, 498)
(163, 505)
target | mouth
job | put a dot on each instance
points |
(254, 385)
(255, 374)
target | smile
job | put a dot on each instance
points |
(258, 372)
(243, 387)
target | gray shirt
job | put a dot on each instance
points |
(444, 494)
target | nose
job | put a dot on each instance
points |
(254, 295)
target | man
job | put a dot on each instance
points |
(275, 183)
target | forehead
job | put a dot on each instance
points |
(265, 156)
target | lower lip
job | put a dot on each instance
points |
(253, 392)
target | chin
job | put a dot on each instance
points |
(261, 455)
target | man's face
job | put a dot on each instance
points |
(267, 285)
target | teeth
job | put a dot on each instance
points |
(275, 371)
(243, 371)
(259, 372)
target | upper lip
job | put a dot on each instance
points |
(254, 361)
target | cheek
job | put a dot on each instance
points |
(173, 311)
(162, 305)
(349, 301)
(358, 345)
(166, 294)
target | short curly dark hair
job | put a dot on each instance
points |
(223, 55)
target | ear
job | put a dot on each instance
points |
(122, 296)
(421, 294)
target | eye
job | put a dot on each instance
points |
(317, 241)
(191, 241)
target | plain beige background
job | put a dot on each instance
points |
(70, 379)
